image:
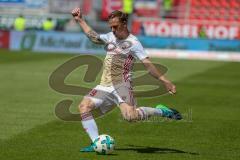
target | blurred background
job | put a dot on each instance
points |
(33, 33)
(183, 28)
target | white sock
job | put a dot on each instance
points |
(146, 112)
(90, 125)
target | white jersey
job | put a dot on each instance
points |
(121, 55)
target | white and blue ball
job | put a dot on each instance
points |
(104, 144)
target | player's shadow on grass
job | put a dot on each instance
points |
(143, 149)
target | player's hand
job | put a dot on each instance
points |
(171, 88)
(77, 14)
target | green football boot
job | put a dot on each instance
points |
(169, 112)
(88, 148)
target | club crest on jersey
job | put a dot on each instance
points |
(118, 48)
(126, 44)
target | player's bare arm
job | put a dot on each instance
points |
(158, 75)
(91, 34)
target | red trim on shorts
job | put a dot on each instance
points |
(93, 92)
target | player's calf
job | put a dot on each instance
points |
(88, 122)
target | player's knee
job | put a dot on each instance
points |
(83, 108)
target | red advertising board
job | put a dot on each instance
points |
(186, 30)
(4, 39)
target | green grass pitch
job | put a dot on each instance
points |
(208, 95)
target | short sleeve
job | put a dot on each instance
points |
(106, 37)
(139, 51)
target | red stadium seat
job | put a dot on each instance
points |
(215, 3)
(193, 10)
(219, 10)
(225, 4)
(234, 4)
(205, 3)
(194, 3)
(232, 19)
(222, 11)
(200, 10)
(191, 16)
(215, 12)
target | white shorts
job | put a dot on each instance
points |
(106, 98)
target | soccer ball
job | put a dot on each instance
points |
(104, 144)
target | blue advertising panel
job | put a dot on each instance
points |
(36, 3)
(190, 44)
(59, 42)
(25, 3)
(12, 1)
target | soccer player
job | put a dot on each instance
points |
(115, 87)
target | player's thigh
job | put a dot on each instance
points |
(86, 105)
(124, 94)
(97, 98)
